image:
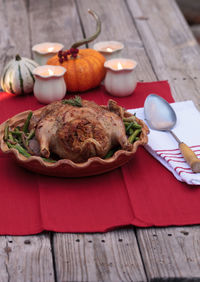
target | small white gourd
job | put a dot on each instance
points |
(17, 76)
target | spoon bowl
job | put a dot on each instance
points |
(158, 113)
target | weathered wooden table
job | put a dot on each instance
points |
(156, 35)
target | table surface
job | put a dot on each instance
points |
(157, 36)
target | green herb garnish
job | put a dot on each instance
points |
(76, 101)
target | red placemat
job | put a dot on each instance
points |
(141, 193)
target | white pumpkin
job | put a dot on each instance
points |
(17, 77)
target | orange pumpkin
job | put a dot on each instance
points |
(84, 72)
(85, 67)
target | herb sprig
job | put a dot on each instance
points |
(76, 101)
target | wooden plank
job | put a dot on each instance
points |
(14, 35)
(26, 258)
(112, 256)
(171, 253)
(54, 21)
(117, 25)
(170, 45)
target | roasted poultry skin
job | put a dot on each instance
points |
(79, 133)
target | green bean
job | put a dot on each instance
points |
(31, 134)
(12, 139)
(17, 133)
(10, 136)
(9, 145)
(26, 124)
(110, 153)
(19, 148)
(22, 151)
(132, 124)
(129, 126)
(136, 125)
(131, 139)
(18, 129)
(49, 160)
(130, 132)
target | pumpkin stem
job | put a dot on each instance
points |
(94, 36)
(17, 57)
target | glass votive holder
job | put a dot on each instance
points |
(49, 84)
(120, 79)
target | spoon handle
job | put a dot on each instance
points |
(188, 154)
(190, 157)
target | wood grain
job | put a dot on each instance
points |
(26, 258)
(54, 21)
(117, 25)
(156, 35)
(14, 35)
(171, 253)
(171, 47)
(113, 256)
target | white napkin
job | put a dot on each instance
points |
(164, 147)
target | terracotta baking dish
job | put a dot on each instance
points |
(65, 167)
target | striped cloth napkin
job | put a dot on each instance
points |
(164, 147)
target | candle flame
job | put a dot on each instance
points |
(50, 49)
(109, 49)
(50, 72)
(119, 66)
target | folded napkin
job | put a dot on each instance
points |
(164, 147)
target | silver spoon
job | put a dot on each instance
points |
(161, 116)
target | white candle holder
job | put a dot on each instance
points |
(44, 51)
(109, 49)
(120, 79)
(49, 84)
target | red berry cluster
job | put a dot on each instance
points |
(63, 55)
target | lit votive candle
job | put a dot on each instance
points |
(49, 84)
(43, 51)
(120, 79)
(109, 49)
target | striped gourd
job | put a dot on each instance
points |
(17, 77)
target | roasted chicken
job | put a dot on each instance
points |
(78, 132)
